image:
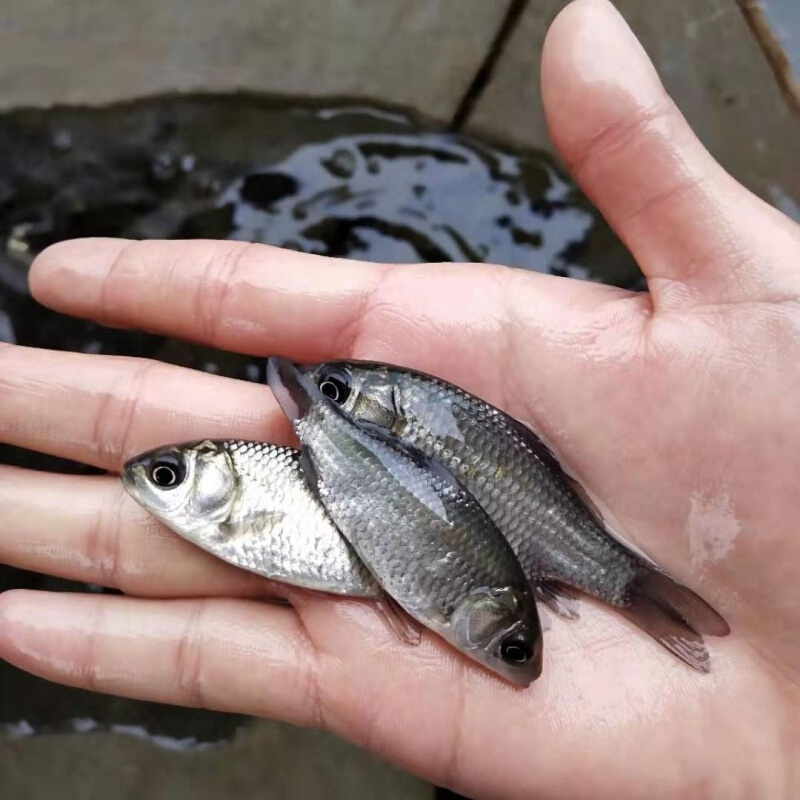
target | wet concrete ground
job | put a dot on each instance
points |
(268, 760)
(425, 55)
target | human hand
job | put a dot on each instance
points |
(677, 408)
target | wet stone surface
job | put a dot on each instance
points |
(347, 182)
(776, 25)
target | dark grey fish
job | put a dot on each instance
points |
(249, 504)
(424, 538)
(559, 540)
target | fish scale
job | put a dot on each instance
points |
(303, 543)
(366, 499)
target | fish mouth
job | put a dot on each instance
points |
(536, 661)
(525, 676)
(295, 392)
(132, 475)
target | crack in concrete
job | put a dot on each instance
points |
(484, 73)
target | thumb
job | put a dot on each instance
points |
(698, 235)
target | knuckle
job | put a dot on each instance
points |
(103, 545)
(652, 203)
(116, 413)
(376, 312)
(113, 289)
(619, 135)
(453, 757)
(190, 671)
(213, 291)
(311, 689)
(100, 556)
(88, 664)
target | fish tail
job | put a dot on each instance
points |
(680, 601)
(674, 616)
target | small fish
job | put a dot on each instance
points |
(424, 538)
(249, 504)
(557, 535)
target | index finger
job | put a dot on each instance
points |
(232, 295)
(448, 319)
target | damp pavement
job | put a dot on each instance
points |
(469, 176)
(266, 760)
(776, 27)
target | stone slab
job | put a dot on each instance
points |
(415, 53)
(269, 760)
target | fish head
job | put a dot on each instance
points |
(367, 393)
(500, 629)
(190, 487)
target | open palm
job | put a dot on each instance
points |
(678, 409)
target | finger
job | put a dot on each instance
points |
(444, 318)
(187, 652)
(238, 656)
(698, 235)
(332, 664)
(232, 295)
(88, 529)
(101, 410)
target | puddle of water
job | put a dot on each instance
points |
(345, 181)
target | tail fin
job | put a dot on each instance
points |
(674, 616)
(679, 601)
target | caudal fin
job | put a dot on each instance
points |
(674, 616)
(680, 601)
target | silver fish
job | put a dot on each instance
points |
(559, 538)
(425, 539)
(249, 504)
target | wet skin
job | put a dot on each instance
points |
(678, 409)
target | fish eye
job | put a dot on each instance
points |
(516, 650)
(335, 386)
(167, 472)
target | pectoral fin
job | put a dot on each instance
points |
(407, 629)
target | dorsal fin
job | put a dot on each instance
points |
(529, 435)
(535, 442)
